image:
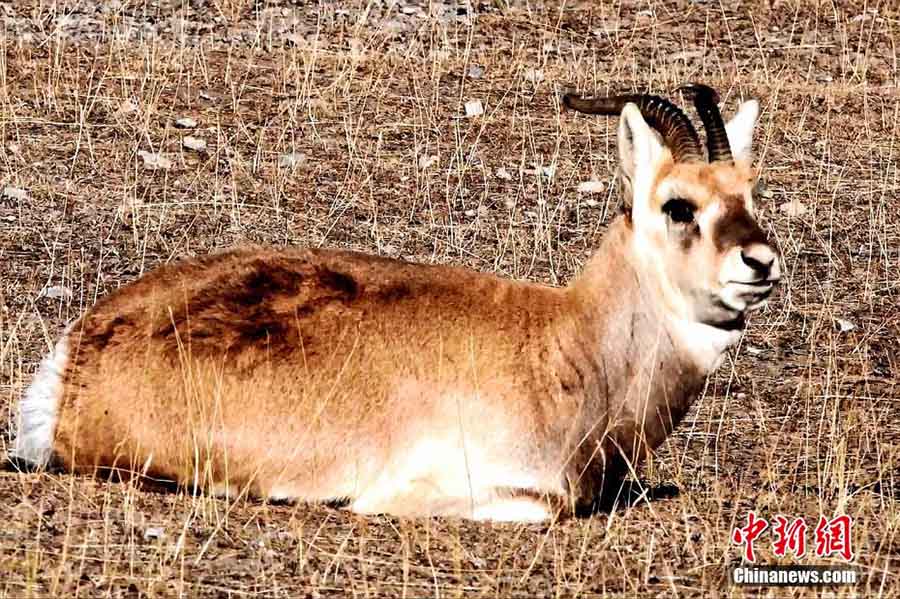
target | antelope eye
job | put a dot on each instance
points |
(679, 210)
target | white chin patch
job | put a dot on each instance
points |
(731, 297)
(738, 290)
(745, 298)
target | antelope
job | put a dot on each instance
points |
(424, 390)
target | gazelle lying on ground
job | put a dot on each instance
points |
(414, 390)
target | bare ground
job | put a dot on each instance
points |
(803, 419)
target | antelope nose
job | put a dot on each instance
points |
(762, 259)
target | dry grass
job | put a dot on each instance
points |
(803, 419)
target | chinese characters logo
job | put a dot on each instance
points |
(832, 537)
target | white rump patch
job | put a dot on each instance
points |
(38, 409)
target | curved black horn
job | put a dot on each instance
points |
(674, 126)
(706, 101)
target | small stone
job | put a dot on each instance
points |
(194, 143)
(591, 187)
(471, 213)
(755, 351)
(155, 160)
(474, 108)
(57, 292)
(793, 208)
(15, 193)
(427, 161)
(292, 160)
(475, 71)
(154, 532)
(185, 122)
(544, 171)
(845, 326)
(534, 76)
(686, 55)
(126, 108)
(502, 173)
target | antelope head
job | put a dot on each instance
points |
(692, 217)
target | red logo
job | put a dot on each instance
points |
(832, 536)
(789, 537)
(748, 534)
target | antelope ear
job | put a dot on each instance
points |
(740, 130)
(639, 149)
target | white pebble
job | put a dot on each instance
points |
(154, 532)
(474, 108)
(793, 208)
(57, 292)
(126, 108)
(427, 161)
(292, 160)
(845, 325)
(194, 143)
(185, 122)
(534, 76)
(15, 193)
(155, 160)
(590, 187)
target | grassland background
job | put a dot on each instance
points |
(367, 99)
